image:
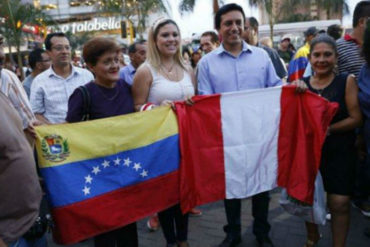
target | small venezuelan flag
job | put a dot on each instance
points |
(104, 174)
(298, 64)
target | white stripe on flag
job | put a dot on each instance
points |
(250, 126)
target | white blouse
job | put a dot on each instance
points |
(165, 89)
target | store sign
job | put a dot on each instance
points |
(96, 24)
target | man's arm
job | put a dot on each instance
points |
(203, 79)
(37, 101)
(2, 244)
(272, 79)
(42, 119)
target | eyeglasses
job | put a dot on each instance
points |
(61, 47)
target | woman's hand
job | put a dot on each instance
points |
(189, 101)
(168, 102)
(301, 86)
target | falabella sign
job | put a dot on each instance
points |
(96, 24)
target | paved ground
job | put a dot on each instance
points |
(286, 231)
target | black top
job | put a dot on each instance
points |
(335, 92)
(338, 159)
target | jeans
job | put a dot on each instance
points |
(21, 242)
(174, 224)
(260, 207)
(362, 185)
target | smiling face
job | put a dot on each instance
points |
(106, 68)
(323, 58)
(168, 40)
(231, 28)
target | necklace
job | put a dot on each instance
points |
(320, 92)
(169, 70)
(105, 96)
(170, 74)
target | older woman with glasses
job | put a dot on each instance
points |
(109, 96)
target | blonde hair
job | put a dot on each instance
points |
(153, 54)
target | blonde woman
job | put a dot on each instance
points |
(162, 79)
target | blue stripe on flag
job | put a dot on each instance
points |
(297, 64)
(75, 182)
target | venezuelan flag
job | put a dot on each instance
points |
(298, 64)
(107, 173)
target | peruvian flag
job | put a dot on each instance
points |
(235, 145)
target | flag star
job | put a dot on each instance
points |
(88, 179)
(117, 161)
(127, 162)
(105, 164)
(137, 166)
(86, 190)
(96, 170)
(144, 173)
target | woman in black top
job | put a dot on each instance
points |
(338, 154)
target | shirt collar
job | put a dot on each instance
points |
(348, 37)
(131, 68)
(246, 47)
(51, 72)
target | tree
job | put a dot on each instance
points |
(282, 10)
(130, 8)
(17, 15)
(188, 5)
(333, 7)
(269, 8)
(287, 11)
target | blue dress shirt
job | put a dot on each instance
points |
(219, 71)
(127, 73)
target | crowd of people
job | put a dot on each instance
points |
(162, 71)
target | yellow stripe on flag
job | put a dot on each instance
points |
(66, 143)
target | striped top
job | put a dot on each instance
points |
(12, 88)
(349, 56)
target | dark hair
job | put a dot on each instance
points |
(185, 49)
(132, 47)
(253, 23)
(35, 56)
(96, 47)
(225, 9)
(323, 38)
(335, 31)
(362, 9)
(50, 36)
(366, 44)
(213, 35)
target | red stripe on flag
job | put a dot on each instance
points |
(296, 75)
(115, 209)
(202, 170)
(304, 118)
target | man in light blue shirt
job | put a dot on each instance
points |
(137, 53)
(236, 66)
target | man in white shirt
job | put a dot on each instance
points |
(51, 89)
